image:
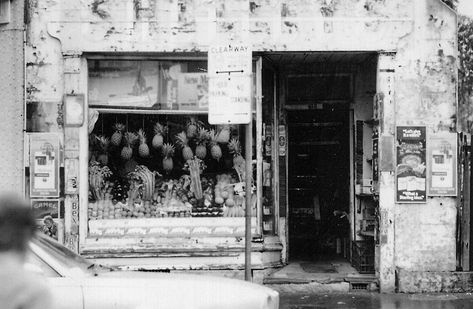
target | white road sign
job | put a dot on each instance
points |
(230, 100)
(229, 59)
(230, 81)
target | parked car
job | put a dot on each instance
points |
(78, 283)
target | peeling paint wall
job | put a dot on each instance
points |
(425, 94)
(11, 101)
(421, 33)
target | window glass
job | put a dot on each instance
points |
(162, 85)
(163, 159)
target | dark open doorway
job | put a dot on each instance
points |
(318, 182)
(319, 99)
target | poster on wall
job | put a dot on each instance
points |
(46, 213)
(411, 164)
(44, 165)
(442, 164)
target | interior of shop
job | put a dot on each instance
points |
(325, 100)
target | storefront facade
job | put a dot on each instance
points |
(325, 74)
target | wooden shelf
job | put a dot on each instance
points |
(316, 124)
(364, 194)
(372, 122)
(321, 143)
(366, 233)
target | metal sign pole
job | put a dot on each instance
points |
(249, 174)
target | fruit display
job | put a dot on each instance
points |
(225, 196)
(159, 132)
(168, 152)
(215, 149)
(187, 169)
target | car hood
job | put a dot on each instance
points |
(167, 290)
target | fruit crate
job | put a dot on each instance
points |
(362, 257)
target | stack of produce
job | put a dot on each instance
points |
(206, 207)
(138, 190)
(224, 196)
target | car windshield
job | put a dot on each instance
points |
(61, 254)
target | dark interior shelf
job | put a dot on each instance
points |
(321, 143)
(316, 124)
(372, 122)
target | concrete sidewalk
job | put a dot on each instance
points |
(323, 276)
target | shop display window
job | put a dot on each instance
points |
(145, 165)
(155, 85)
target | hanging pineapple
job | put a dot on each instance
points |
(130, 140)
(224, 135)
(191, 128)
(215, 150)
(143, 149)
(183, 142)
(168, 152)
(202, 139)
(235, 149)
(103, 143)
(159, 132)
(117, 136)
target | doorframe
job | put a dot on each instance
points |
(352, 197)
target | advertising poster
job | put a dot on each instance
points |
(192, 91)
(442, 159)
(411, 164)
(46, 213)
(44, 165)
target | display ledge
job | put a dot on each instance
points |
(173, 247)
(170, 227)
(145, 110)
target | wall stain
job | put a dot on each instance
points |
(98, 11)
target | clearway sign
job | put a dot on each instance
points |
(230, 81)
(229, 59)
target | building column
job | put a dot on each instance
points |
(72, 151)
(385, 112)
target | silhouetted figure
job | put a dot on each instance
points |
(20, 289)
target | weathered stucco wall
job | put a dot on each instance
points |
(11, 100)
(421, 33)
(425, 94)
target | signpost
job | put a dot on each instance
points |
(230, 87)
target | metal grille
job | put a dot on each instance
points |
(359, 286)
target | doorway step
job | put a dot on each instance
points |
(323, 276)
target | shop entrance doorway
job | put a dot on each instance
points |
(324, 113)
(319, 182)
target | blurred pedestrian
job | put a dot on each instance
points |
(20, 288)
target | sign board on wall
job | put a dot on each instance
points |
(411, 164)
(45, 207)
(442, 164)
(230, 84)
(44, 165)
(46, 212)
(71, 171)
(74, 110)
